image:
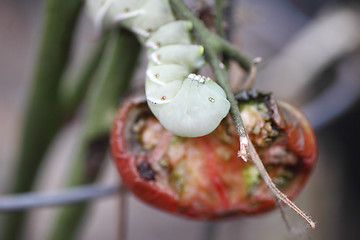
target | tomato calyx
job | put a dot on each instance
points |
(248, 96)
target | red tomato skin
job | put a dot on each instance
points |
(301, 136)
(126, 165)
(150, 193)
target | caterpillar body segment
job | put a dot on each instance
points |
(177, 32)
(186, 104)
(166, 73)
(189, 56)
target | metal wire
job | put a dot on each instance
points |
(31, 200)
(346, 93)
(338, 98)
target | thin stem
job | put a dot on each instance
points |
(233, 52)
(219, 25)
(220, 75)
(229, 7)
(249, 82)
(219, 18)
(73, 90)
(247, 150)
(123, 213)
(209, 231)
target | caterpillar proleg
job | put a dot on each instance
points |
(186, 104)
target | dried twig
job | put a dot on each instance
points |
(273, 189)
(249, 82)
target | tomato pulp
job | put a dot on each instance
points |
(202, 177)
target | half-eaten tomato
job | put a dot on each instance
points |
(202, 177)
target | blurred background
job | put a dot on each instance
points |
(311, 57)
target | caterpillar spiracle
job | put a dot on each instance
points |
(186, 104)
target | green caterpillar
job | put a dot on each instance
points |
(186, 104)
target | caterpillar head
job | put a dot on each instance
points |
(196, 110)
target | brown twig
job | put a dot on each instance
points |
(273, 189)
(249, 82)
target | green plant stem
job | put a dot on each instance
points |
(73, 90)
(217, 44)
(42, 116)
(219, 25)
(232, 52)
(219, 18)
(113, 79)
